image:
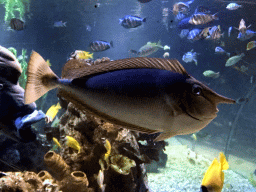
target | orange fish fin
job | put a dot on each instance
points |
(77, 70)
(40, 78)
(165, 135)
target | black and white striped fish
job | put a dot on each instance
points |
(97, 46)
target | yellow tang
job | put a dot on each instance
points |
(71, 142)
(108, 148)
(55, 140)
(53, 110)
(251, 45)
(214, 177)
(79, 54)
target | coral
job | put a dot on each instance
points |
(122, 164)
(43, 175)
(57, 165)
(76, 181)
(19, 181)
(15, 9)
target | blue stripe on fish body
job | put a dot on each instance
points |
(131, 82)
(130, 21)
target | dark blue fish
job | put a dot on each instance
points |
(97, 46)
(144, 1)
(130, 21)
(15, 117)
(143, 94)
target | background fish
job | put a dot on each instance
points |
(130, 21)
(97, 46)
(190, 57)
(201, 18)
(143, 94)
(233, 6)
(17, 24)
(148, 49)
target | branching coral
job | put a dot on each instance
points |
(15, 9)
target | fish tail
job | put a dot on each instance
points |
(228, 54)
(144, 20)
(40, 78)
(111, 43)
(215, 17)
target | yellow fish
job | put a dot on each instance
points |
(52, 111)
(72, 143)
(214, 177)
(55, 140)
(108, 148)
(79, 54)
(48, 62)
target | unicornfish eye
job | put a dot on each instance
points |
(196, 89)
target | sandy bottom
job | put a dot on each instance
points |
(185, 169)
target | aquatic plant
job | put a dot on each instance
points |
(15, 9)
(13, 50)
(24, 66)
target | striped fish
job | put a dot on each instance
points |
(130, 21)
(202, 18)
(215, 33)
(193, 35)
(97, 46)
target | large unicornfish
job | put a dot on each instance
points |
(143, 94)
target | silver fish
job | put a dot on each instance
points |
(143, 94)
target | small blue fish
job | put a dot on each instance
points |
(190, 56)
(193, 35)
(247, 35)
(233, 6)
(60, 24)
(180, 16)
(130, 21)
(184, 33)
(97, 46)
(229, 31)
(219, 50)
